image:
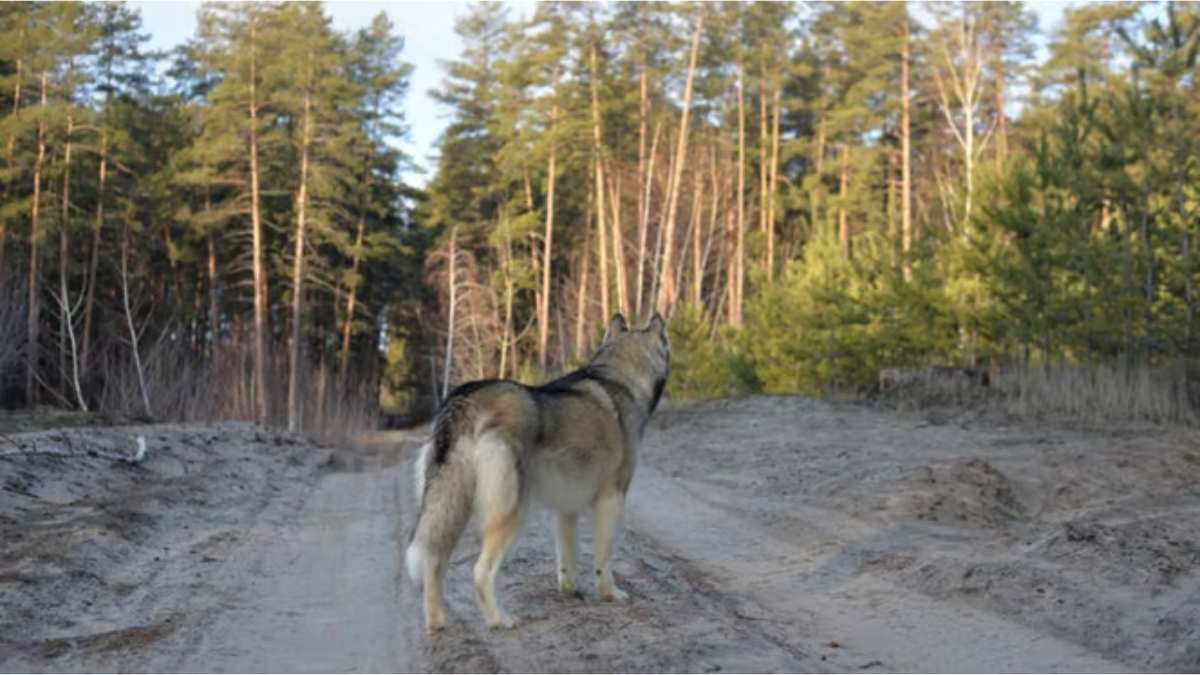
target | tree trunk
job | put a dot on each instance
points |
(1189, 297)
(294, 354)
(738, 266)
(697, 208)
(656, 263)
(814, 200)
(763, 142)
(643, 185)
(581, 308)
(66, 329)
(598, 171)
(94, 258)
(547, 250)
(618, 241)
(906, 230)
(133, 334)
(731, 266)
(506, 262)
(452, 291)
(214, 307)
(773, 184)
(35, 240)
(644, 222)
(892, 184)
(256, 234)
(351, 300)
(318, 418)
(667, 291)
(715, 191)
(965, 80)
(68, 345)
(843, 195)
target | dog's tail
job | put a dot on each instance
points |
(445, 490)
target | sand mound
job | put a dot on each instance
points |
(966, 493)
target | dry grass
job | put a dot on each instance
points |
(1092, 394)
(1096, 393)
(187, 387)
(12, 328)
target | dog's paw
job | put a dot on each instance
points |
(502, 622)
(435, 627)
(566, 586)
(613, 594)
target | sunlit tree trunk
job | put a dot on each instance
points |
(452, 292)
(294, 354)
(94, 259)
(738, 266)
(256, 232)
(843, 195)
(814, 200)
(214, 307)
(697, 209)
(507, 270)
(598, 173)
(618, 242)
(66, 329)
(133, 333)
(667, 290)
(644, 222)
(351, 298)
(773, 182)
(643, 181)
(713, 235)
(547, 249)
(581, 308)
(958, 79)
(763, 142)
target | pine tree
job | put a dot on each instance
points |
(237, 129)
(382, 79)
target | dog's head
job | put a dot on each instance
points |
(642, 355)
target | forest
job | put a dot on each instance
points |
(811, 192)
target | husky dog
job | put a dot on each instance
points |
(570, 444)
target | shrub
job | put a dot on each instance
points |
(831, 322)
(704, 365)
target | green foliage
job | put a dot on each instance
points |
(830, 323)
(703, 366)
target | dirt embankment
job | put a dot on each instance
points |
(104, 559)
(1087, 540)
(762, 534)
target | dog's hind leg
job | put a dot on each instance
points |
(498, 497)
(607, 516)
(565, 546)
(435, 570)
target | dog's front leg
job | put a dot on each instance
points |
(608, 510)
(567, 549)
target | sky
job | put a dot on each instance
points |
(428, 30)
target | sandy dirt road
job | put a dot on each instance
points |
(765, 534)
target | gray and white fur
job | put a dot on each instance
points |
(570, 444)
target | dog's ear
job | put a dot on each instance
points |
(616, 326)
(657, 324)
